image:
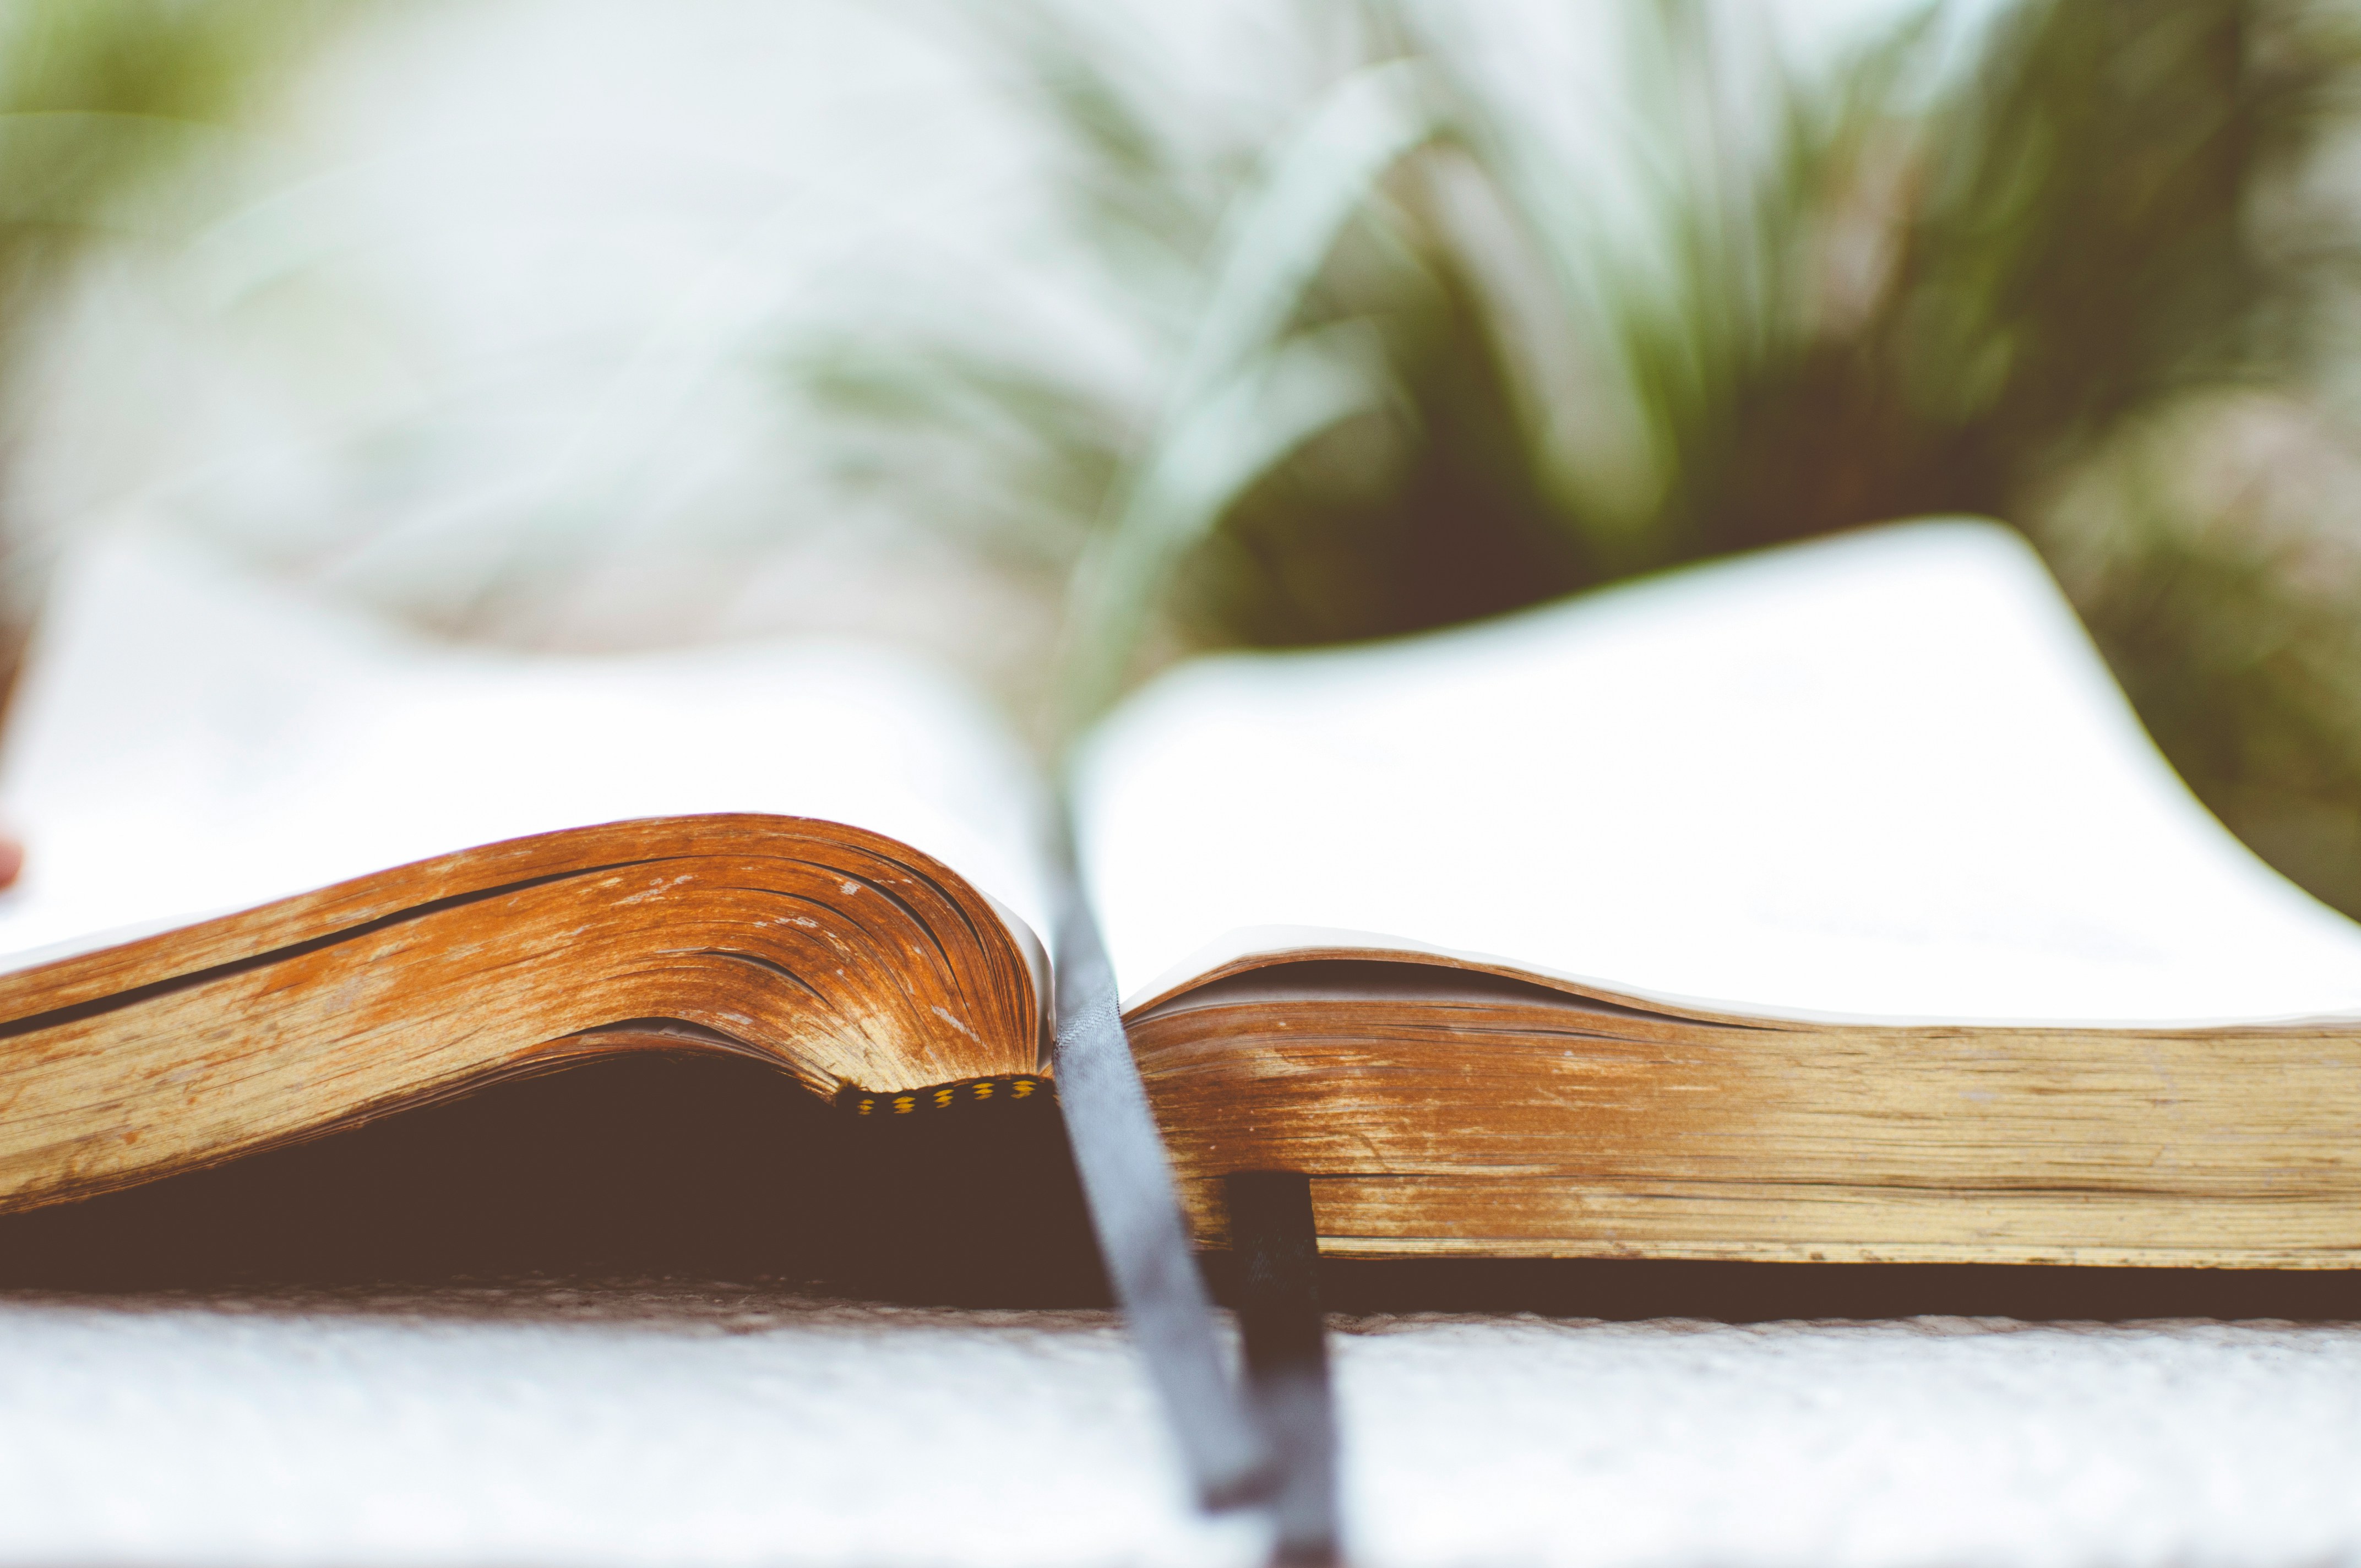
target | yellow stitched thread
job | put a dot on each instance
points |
(940, 1096)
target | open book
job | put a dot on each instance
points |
(1829, 904)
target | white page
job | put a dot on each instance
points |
(1881, 776)
(191, 740)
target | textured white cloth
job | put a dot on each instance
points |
(683, 1425)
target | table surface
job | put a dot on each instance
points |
(676, 1422)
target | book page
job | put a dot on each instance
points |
(1881, 777)
(189, 739)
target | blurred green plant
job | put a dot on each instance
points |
(107, 107)
(1422, 357)
(101, 100)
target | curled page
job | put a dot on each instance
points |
(1881, 778)
(192, 739)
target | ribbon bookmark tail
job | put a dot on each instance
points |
(1142, 1235)
(1277, 1245)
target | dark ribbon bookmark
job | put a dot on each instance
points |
(1278, 1253)
(1277, 1447)
(1142, 1235)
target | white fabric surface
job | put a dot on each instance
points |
(679, 1425)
